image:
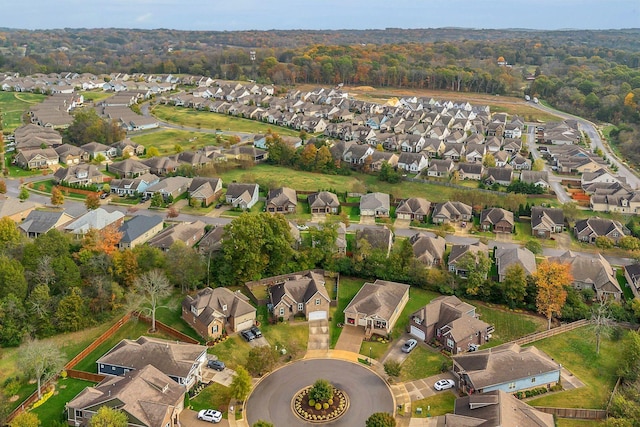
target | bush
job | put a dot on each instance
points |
(325, 405)
(312, 402)
(321, 391)
(380, 419)
(318, 406)
(393, 368)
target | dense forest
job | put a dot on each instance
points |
(595, 74)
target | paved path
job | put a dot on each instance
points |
(318, 335)
(350, 339)
(395, 350)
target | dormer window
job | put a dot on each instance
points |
(194, 310)
(224, 307)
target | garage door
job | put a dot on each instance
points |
(244, 325)
(317, 315)
(418, 333)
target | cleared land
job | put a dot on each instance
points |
(166, 140)
(13, 105)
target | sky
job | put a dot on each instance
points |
(232, 15)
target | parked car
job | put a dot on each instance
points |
(302, 227)
(210, 415)
(248, 335)
(218, 205)
(444, 384)
(218, 365)
(408, 346)
(256, 331)
(104, 195)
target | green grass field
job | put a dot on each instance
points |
(96, 95)
(509, 324)
(422, 363)
(207, 120)
(215, 396)
(348, 288)
(440, 404)
(565, 422)
(13, 105)
(166, 140)
(54, 408)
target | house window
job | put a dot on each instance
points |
(450, 343)
(533, 380)
(300, 306)
(281, 311)
(214, 329)
(113, 368)
(317, 301)
(78, 413)
(512, 386)
(224, 307)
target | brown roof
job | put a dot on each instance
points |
(380, 298)
(218, 303)
(496, 409)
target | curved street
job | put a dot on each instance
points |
(271, 398)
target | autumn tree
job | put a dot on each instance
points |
(3, 186)
(9, 233)
(40, 360)
(104, 240)
(25, 419)
(538, 165)
(551, 279)
(109, 417)
(151, 287)
(87, 127)
(307, 159)
(241, 384)
(57, 199)
(514, 285)
(126, 266)
(489, 161)
(92, 201)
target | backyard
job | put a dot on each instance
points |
(54, 407)
(509, 324)
(14, 105)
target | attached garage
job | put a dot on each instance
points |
(244, 325)
(317, 315)
(417, 332)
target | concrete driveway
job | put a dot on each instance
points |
(259, 342)
(318, 335)
(419, 389)
(395, 351)
(223, 377)
(350, 339)
(189, 418)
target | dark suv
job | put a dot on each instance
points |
(256, 331)
(218, 365)
(248, 335)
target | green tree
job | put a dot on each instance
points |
(87, 127)
(152, 152)
(381, 419)
(151, 287)
(262, 423)
(71, 314)
(25, 419)
(24, 194)
(149, 257)
(570, 211)
(12, 278)
(489, 161)
(393, 368)
(538, 165)
(156, 200)
(534, 246)
(92, 201)
(261, 360)
(477, 265)
(323, 244)
(9, 233)
(14, 321)
(40, 360)
(321, 391)
(241, 384)
(185, 266)
(57, 199)
(514, 286)
(40, 306)
(109, 417)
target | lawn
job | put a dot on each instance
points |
(54, 407)
(131, 330)
(13, 105)
(207, 120)
(170, 313)
(509, 324)
(233, 351)
(622, 281)
(566, 422)
(576, 350)
(347, 289)
(439, 404)
(166, 140)
(214, 396)
(96, 96)
(423, 363)
(15, 171)
(293, 337)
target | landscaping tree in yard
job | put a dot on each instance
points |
(261, 360)
(477, 265)
(551, 280)
(109, 417)
(151, 287)
(24, 194)
(601, 321)
(152, 152)
(514, 286)
(241, 384)
(3, 185)
(262, 423)
(381, 419)
(534, 246)
(92, 201)
(538, 165)
(41, 361)
(185, 266)
(25, 419)
(393, 368)
(57, 198)
(9, 233)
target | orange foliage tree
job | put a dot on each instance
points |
(552, 279)
(102, 241)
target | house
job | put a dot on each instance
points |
(546, 221)
(601, 176)
(414, 209)
(242, 196)
(539, 178)
(506, 257)
(380, 238)
(37, 158)
(376, 205)
(520, 163)
(632, 274)
(412, 162)
(301, 293)
(496, 409)
(133, 186)
(169, 188)
(453, 152)
(428, 250)
(475, 152)
(96, 219)
(129, 168)
(214, 312)
(161, 165)
(628, 203)
(509, 368)
(449, 211)
(323, 202)
(588, 230)
(471, 170)
(458, 251)
(71, 155)
(452, 322)
(83, 174)
(341, 241)
(188, 233)
(440, 168)
(148, 397)
(127, 147)
(212, 241)
(377, 306)
(433, 147)
(501, 176)
(282, 200)
(497, 220)
(205, 191)
(180, 361)
(39, 222)
(138, 230)
(15, 209)
(96, 149)
(502, 159)
(593, 273)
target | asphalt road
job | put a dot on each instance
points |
(271, 398)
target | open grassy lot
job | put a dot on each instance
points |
(215, 396)
(509, 324)
(439, 404)
(13, 105)
(131, 330)
(165, 140)
(576, 350)
(565, 422)
(422, 363)
(293, 337)
(207, 120)
(96, 95)
(53, 408)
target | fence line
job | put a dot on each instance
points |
(168, 329)
(88, 376)
(583, 414)
(527, 339)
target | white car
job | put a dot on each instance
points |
(444, 384)
(210, 415)
(302, 227)
(409, 345)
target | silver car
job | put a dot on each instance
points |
(408, 346)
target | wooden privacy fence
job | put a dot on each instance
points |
(167, 329)
(583, 414)
(88, 376)
(527, 339)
